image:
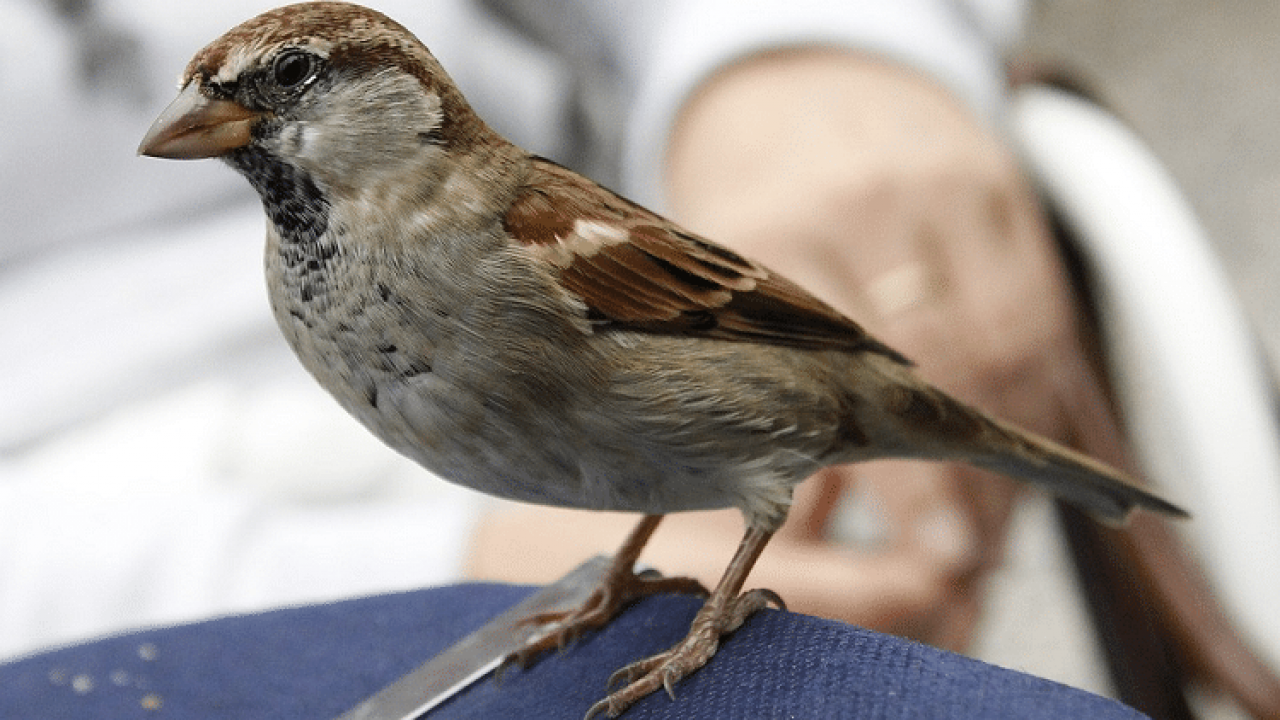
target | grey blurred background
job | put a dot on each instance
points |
(1198, 81)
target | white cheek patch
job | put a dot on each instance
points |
(288, 139)
(305, 138)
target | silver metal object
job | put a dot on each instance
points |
(477, 654)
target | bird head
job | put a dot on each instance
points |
(333, 92)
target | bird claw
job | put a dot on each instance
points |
(642, 678)
(613, 594)
(664, 670)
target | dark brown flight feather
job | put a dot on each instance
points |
(639, 271)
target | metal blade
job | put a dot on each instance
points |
(475, 655)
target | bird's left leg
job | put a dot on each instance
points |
(724, 611)
(620, 585)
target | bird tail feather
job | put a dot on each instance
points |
(961, 432)
(1097, 488)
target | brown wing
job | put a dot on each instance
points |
(636, 270)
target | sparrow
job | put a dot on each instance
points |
(516, 328)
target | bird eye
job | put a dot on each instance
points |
(293, 68)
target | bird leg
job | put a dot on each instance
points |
(620, 585)
(724, 611)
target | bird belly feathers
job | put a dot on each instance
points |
(614, 446)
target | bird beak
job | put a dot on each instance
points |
(194, 127)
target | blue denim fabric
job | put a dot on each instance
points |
(316, 662)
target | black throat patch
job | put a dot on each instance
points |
(299, 211)
(290, 197)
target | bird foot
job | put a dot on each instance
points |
(667, 668)
(615, 592)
